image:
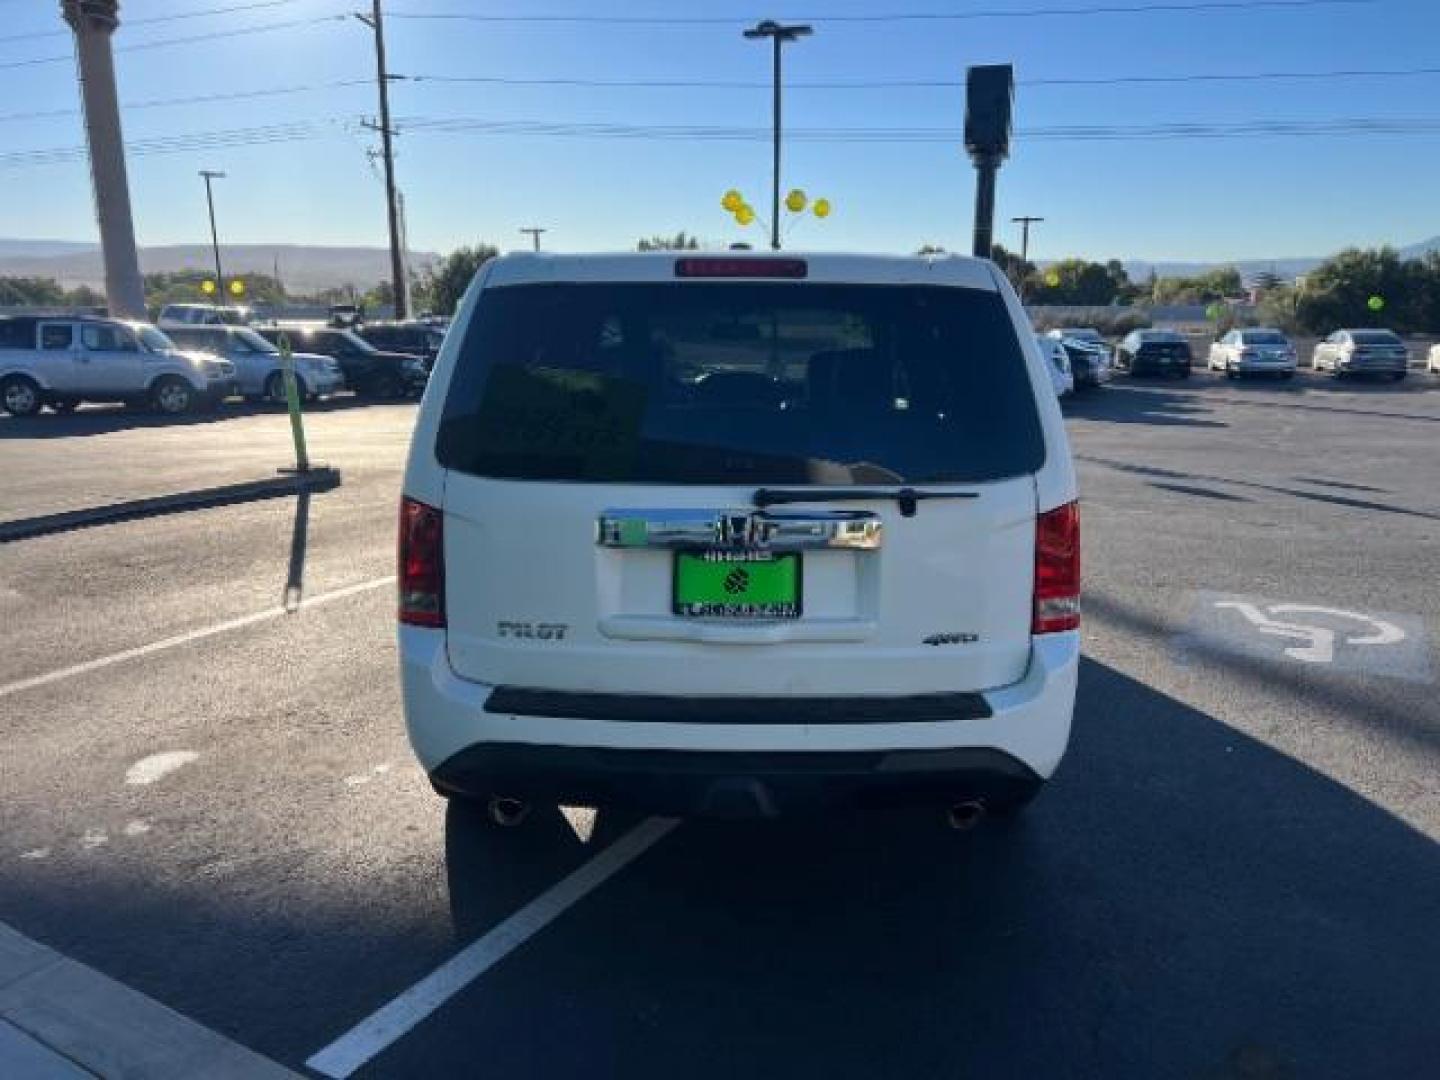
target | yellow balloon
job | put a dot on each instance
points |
(207, 286)
(733, 200)
(237, 287)
(822, 208)
(795, 201)
(745, 215)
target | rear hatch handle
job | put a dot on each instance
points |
(908, 498)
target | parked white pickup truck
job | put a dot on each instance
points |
(61, 361)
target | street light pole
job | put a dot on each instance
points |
(209, 175)
(779, 36)
(1024, 223)
(534, 233)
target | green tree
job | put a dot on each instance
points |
(1206, 288)
(679, 242)
(1338, 292)
(30, 292)
(1077, 282)
(446, 284)
(1018, 270)
(183, 286)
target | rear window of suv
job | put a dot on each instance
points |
(740, 383)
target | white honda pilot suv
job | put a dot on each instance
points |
(739, 534)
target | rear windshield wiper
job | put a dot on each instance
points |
(907, 497)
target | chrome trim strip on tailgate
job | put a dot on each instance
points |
(856, 530)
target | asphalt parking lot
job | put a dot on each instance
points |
(1235, 874)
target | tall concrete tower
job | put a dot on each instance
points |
(93, 22)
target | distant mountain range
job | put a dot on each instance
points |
(308, 268)
(303, 268)
(1139, 269)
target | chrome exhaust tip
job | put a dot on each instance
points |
(507, 812)
(964, 816)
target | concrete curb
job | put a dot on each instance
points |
(60, 1019)
(317, 479)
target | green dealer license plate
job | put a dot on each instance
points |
(737, 585)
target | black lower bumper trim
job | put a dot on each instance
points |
(733, 783)
(648, 708)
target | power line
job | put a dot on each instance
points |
(143, 21)
(243, 31)
(926, 16)
(300, 130)
(875, 84)
(204, 99)
(923, 84)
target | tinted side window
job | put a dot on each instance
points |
(720, 383)
(57, 336)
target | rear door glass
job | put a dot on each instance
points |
(709, 383)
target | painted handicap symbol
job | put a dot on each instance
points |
(1317, 642)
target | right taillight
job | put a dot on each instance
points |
(422, 564)
(1057, 570)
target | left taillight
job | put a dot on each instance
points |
(1057, 570)
(422, 564)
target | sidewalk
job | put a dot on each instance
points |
(61, 1020)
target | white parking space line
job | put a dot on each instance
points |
(392, 1021)
(182, 639)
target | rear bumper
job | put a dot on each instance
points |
(717, 765)
(1386, 366)
(1261, 367)
(732, 783)
(1142, 365)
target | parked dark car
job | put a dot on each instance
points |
(413, 338)
(368, 371)
(1089, 363)
(1154, 352)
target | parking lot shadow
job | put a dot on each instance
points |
(1347, 501)
(1184, 901)
(105, 419)
(1127, 403)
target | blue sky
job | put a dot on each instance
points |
(1191, 199)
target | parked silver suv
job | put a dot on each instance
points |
(61, 361)
(257, 362)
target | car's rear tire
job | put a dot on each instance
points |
(172, 395)
(386, 388)
(21, 396)
(275, 388)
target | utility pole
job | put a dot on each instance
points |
(1024, 223)
(93, 22)
(779, 36)
(534, 234)
(209, 175)
(382, 78)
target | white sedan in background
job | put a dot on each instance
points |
(1253, 352)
